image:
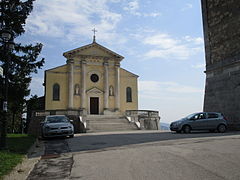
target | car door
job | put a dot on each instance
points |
(199, 121)
(212, 120)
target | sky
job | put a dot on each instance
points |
(161, 40)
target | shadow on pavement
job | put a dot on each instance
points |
(101, 141)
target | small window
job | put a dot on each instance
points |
(212, 115)
(56, 92)
(129, 94)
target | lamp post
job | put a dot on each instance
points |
(6, 37)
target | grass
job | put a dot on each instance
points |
(17, 147)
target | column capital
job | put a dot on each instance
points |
(117, 64)
(105, 63)
(83, 61)
(70, 61)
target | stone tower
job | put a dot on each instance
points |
(221, 23)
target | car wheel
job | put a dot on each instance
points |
(186, 129)
(221, 128)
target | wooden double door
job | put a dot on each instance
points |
(94, 105)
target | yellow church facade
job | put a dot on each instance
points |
(92, 81)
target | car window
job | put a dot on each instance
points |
(212, 115)
(198, 116)
(191, 116)
(195, 117)
(56, 119)
(202, 116)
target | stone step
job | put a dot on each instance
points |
(102, 123)
(107, 121)
(104, 116)
(111, 128)
(109, 125)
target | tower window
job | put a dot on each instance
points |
(56, 92)
(129, 94)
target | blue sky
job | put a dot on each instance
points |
(161, 40)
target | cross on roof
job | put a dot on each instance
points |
(94, 35)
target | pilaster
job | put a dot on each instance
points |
(117, 86)
(70, 63)
(83, 88)
(106, 85)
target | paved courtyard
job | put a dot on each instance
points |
(141, 155)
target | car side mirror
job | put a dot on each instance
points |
(71, 121)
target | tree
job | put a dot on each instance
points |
(24, 59)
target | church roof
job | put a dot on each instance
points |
(130, 72)
(93, 44)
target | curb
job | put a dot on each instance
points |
(22, 170)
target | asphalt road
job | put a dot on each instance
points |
(155, 155)
(140, 155)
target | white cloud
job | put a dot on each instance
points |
(133, 8)
(163, 90)
(167, 47)
(154, 14)
(196, 40)
(172, 100)
(74, 19)
(36, 86)
(187, 6)
(199, 66)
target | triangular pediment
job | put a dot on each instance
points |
(93, 49)
(94, 91)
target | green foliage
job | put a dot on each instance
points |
(23, 61)
(15, 13)
(8, 161)
(18, 145)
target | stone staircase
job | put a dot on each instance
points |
(105, 123)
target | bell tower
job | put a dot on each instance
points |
(221, 24)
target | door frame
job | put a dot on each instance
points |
(95, 92)
(90, 105)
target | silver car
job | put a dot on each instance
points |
(200, 121)
(57, 125)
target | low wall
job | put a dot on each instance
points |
(39, 116)
(144, 119)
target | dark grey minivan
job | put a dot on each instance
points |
(200, 121)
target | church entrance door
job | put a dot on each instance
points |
(94, 105)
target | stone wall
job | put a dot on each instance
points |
(148, 123)
(39, 116)
(144, 119)
(221, 21)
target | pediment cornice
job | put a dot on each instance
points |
(77, 52)
(94, 90)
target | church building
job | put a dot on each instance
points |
(91, 81)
